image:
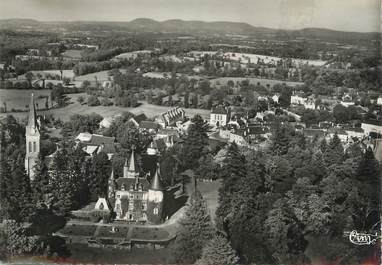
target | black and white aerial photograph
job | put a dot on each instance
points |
(190, 132)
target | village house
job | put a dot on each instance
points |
(341, 134)
(358, 133)
(149, 126)
(308, 103)
(314, 133)
(107, 121)
(237, 136)
(219, 116)
(93, 144)
(138, 119)
(379, 101)
(371, 127)
(347, 100)
(170, 117)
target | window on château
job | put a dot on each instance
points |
(155, 211)
(30, 147)
(34, 146)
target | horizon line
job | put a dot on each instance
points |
(204, 21)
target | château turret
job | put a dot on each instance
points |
(155, 199)
(130, 170)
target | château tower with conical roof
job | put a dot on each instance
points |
(155, 199)
(130, 170)
(32, 137)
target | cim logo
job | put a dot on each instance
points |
(362, 238)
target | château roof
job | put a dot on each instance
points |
(219, 110)
(128, 182)
(131, 164)
(156, 182)
(112, 174)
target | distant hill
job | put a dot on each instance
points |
(187, 27)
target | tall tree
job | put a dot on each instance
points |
(335, 152)
(195, 143)
(195, 231)
(40, 185)
(281, 139)
(285, 234)
(232, 174)
(100, 174)
(218, 251)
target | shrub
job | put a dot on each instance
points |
(106, 102)
(96, 215)
(80, 99)
(93, 101)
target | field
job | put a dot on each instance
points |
(18, 99)
(75, 54)
(253, 80)
(101, 76)
(22, 98)
(161, 75)
(130, 55)
(252, 58)
(65, 73)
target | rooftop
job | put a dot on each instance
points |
(219, 110)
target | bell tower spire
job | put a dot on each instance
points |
(32, 138)
(32, 118)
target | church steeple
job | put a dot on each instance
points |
(32, 118)
(32, 140)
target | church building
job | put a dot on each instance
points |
(32, 136)
(134, 198)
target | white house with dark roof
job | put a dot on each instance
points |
(372, 126)
(170, 117)
(219, 116)
(379, 101)
(93, 144)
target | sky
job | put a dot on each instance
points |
(348, 15)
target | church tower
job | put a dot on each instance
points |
(155, 199)
(32, 136)
(130, 169)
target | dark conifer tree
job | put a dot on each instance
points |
(5, 180)
(233, 173)
(40, 185)
(195, 143)
(195, 231)
(282, 139)
(218, 251)
(21, 194)
(100, 173)
(335, 152)
(369, 186)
